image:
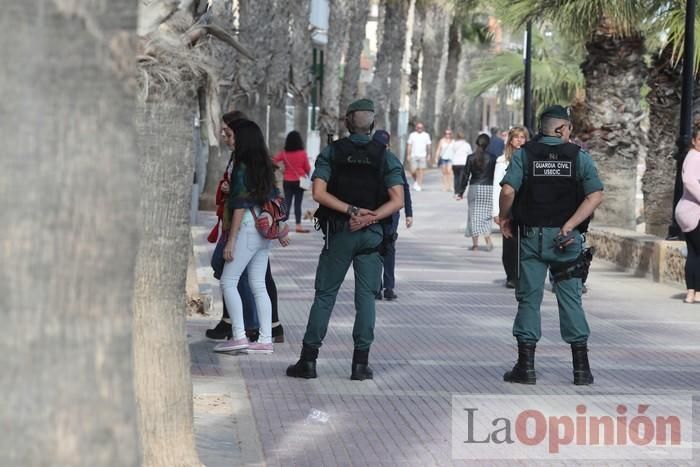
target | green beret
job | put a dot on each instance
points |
(361, 104)
(556, 111)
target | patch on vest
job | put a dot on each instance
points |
(551, 168)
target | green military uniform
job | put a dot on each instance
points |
(342, 249)
(538, 252)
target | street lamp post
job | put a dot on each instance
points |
(686, 121)
(527, 84)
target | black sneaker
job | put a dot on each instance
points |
(390, 295)
(221, 331)
(278, 334)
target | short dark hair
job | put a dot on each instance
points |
(293, 141)
(230, 117)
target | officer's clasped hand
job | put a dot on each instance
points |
(562, 241)
(362, 219)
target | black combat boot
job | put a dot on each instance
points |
(306, 366)
(524, 371)
(360, 366)
(582, 371)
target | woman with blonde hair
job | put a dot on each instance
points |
(517, 136)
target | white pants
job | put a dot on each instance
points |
(252, 251)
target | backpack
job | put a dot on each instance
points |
(270, 223)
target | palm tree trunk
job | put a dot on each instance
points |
(69, 198)
(440, 94)
(432, 55)
(664, 110)
(416, 53)
(379, 87)
(454, 56)
(356, 33)
(278, 74)
(614, 73)
(251, 77)
(218, 157)
(329, 115)
(161, 354)
(395, 73)
(300, 63)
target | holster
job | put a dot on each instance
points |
(577, 268)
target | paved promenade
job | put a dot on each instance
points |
(449, 333)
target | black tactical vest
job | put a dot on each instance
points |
(357, 176)
(551, 192)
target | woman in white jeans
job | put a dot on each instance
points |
(252, 183)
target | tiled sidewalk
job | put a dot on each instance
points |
(449, 333)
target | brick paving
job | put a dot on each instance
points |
(449, 333)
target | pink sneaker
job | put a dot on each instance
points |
(257, 347)
(232, 344)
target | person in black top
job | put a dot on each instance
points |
(478, 174)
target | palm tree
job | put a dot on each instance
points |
(69, 199)
(397, 44)
(430, 70)
(418, 30)
(556, 78)
(385, 88)
(614, 72)
(175, 61)
(664, 110)
(329, 113)
(300, 63)
(277, 73)
(356, 37)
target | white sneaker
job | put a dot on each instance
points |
(257, 347)
(231, 345)
(416, 186)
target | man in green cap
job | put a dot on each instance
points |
(553, 188)
(358, 184)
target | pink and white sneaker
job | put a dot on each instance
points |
(231, 345)
(257, 347)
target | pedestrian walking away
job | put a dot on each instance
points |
(358, 184)
(517, 136)
(296, 171)
(417, 153)
(478, 174)
(460, 152)
(390, 231)
(548, 195)
(688, 217)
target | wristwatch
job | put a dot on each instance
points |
(352, 211)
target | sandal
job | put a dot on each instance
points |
(689, 298)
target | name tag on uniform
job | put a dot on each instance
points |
(551, 168)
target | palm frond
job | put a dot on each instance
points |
(670, 22)
(556, 76)
(578, 19)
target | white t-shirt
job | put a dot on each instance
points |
(419, 144)
(499, 172)
(460, 151)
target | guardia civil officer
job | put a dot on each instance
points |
(553, 188)
(357, 183)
